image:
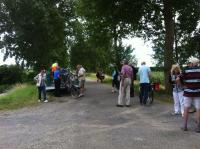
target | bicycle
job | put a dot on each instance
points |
(150, 94)
(74, 86)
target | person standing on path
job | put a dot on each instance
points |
(41, 78)
(124, 91)
(81, 77)
(57, 81)
(144, 76)
(177, 90)
(191, 81)
(132, 94)
(115, 81)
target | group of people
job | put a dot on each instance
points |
(185, 87)
(126, 88)
(185, 84)
(56, 75)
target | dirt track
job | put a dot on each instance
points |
(95, 123)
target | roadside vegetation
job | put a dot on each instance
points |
(25, 94)
(21, 95)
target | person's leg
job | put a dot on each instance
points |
(117, 84)
(44, 92)
(81, 85)
(121, 94)
(181, 101)
(56, 87)
(187, 104)
(176, 102)
(141, 93)
(145, 92)
(113, 85)
(127, 91)
(197, 106)
(59, 82)
(131, 89)
(39, 93)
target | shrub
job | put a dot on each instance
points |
(11, 74)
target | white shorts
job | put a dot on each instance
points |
(188, 101)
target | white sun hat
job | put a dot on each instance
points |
(193, 60)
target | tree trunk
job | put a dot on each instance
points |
(117, 62)
(169, 40)
(176, 42)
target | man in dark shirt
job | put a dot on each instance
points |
(191, 81)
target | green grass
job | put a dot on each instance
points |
(92, 76)
(20, 96)
(4, 88)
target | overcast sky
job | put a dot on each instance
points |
(143, 50)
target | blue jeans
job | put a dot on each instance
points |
(144, 89)
(42, 90)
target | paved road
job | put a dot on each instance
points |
(95, 123)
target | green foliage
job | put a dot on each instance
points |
(34, 31)
(186, 15)
(20, 96)
(10, 74)
(105, 26)
(157, 77)
(4, 88)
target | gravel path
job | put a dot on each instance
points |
(94, 122)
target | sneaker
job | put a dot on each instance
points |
(197, 129)
(81, 95)
(184, 128)
(174, 113)
(46, 100)
(119, 105)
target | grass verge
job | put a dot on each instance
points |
(92, 76)
(20, 96)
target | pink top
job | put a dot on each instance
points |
(127, 71)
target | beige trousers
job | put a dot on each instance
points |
(124, 92)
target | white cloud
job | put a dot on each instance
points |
(8, 61)
(143, 50)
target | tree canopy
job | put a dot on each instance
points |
(90, 32)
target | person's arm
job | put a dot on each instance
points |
(149, 73)
(36, 78)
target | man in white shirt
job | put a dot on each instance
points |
(81, 78)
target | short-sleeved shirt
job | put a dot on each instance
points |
(127, 71)
(144, 74)
(81, 74)
(191, 80)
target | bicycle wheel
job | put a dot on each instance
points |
(74, 92)
(150, 98)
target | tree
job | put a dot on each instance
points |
(107, 16)
(34, 31)
(164, 20)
